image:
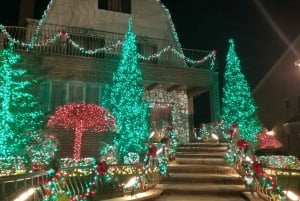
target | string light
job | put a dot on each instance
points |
(132, 158)
(82, 117)
(65, 36)
(109, 154)
(280, 162)
(41, 22)
(174, 33)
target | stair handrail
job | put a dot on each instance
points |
(241, 156)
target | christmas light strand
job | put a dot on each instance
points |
(174, 32)
(41, 22)
(66, 37)
(63, 35)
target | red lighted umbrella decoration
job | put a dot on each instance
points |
(82, 117)
(268, 141)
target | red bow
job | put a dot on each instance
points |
(152, 151)
(257, 167)
(102, 168)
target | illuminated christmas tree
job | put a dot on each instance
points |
(237, 103)
(20, 117)
(124, 100)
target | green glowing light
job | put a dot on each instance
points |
(124, 100)
(237, 103)
(20, 117)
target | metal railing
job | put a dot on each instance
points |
(12, 185)
(289, 179)
(75, 181)
(284, 180)
(71, 41)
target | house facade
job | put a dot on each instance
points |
(76, 48)
(278, 99)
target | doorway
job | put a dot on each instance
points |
(202, 111)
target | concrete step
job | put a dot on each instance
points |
(252, 196)
(202, 189)
(200, 173)
(185, 178)
(205, 160)
(192, 168)
(197, 198)
(202, 149)
(204, 144)
(151, 194)
(201, 154)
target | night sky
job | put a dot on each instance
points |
(260, 37)
(208, 24)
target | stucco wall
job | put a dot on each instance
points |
(149, 18)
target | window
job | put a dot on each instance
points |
(61, 92)
(92, 93)
(83, 92)
(58, 96)
(75, 92)
(115, 5)
(44, 96)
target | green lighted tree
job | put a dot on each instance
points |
(20, 117)
(123, 98)
(237, 102)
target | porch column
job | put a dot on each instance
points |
(215, 107)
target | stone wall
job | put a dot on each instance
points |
(180, 100)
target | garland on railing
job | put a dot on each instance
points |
(96, 178)
(280, 162)
(82, 162)
(100, 177)
(64, 36)
(253, 169)
(240, 155)
(211, 131)
(12, 166)
(159, 154)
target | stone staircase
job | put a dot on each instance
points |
(200, 173)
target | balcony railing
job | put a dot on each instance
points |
(70, 41)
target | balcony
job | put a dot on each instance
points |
(70, 53)
(78, 42)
